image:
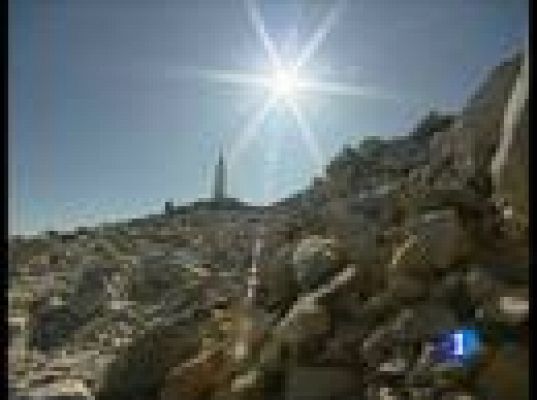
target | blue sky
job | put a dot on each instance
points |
(108, 119)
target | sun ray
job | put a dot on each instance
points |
(299, 84)
(306, 132)
(235, 77)
(250, 130)
(259, 26)
(286, 81)
(320, 34)
(341, 89)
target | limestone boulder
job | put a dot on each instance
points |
(435, 241)
(473, 139)
(314, 260)
(277, 281)
(510, 164)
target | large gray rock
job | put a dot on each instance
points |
(277, 281)
(510, 165)
(314, 260)
(472, 140)
(435, 241)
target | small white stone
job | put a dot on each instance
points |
(514, 306)
(385, 393)
(240, 350)
(395, 365)
(508, 212)
(464, 397)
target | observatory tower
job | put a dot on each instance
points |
(220, 179)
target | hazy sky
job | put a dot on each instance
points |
(111, 114)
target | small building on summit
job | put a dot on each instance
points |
(219, 200)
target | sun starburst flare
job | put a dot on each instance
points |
(284, 82)
(287, 80)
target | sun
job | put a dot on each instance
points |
(288, 82)
(284, 82)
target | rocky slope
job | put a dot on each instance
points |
(401, 241)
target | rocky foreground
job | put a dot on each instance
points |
(339, 292)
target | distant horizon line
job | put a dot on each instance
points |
(122, 220)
